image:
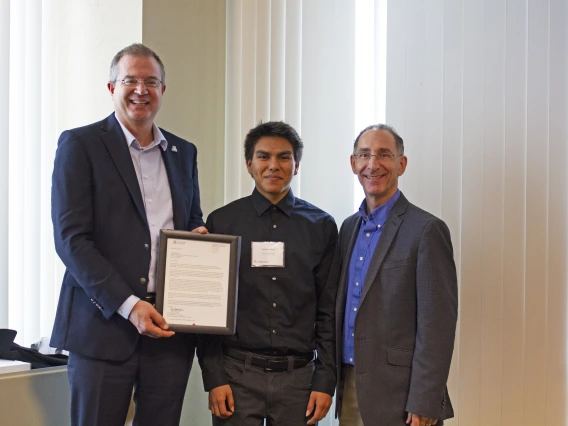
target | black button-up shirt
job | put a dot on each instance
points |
(280, 311)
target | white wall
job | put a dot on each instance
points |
(189, 36)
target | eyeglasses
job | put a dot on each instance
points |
(382, 157)
(152, 83)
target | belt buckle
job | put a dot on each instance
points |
(267, 365)
(276, 364)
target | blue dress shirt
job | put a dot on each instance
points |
(367, 239)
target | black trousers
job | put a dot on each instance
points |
(279, 397)
(158, 371)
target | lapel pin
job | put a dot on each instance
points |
(174, 148)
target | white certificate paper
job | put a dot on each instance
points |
(196, 282)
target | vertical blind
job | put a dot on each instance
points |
(479, 91)
(58, 53)
(30, 273)
(293, 61)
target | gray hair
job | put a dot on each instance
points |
(135, 49)
(387, 128)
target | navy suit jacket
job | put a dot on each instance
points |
(102, 235)
(406, 321)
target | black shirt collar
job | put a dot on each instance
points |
(262, 204)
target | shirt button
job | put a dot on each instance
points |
(145, 176)
(368, 235)
(274, 226)
(146, 246)
(379, 226)
(360, 258)
(352, 334)
(350, 359)
(273, 278)
(149, 200)
(356, 284)
(274, 305)
(143, 280)
(273, 331)
(355, 309)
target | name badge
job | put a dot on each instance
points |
(268, 254)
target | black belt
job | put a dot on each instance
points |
(150, 298)
(268, 363)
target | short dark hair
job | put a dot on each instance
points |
(135, 49)
(274, 128)
(387, 128)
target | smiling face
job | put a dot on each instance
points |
(379, 178)
(273, 167)
(136, 106)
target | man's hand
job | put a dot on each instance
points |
(200, 230)
(318, 404)
(148, 321)
(221, 401)
(416, 420)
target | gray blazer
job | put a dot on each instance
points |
(406, 321)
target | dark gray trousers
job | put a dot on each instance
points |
(158, 371)
(279, 397)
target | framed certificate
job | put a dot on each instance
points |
(197, 285)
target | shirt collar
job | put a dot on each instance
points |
(158, 136)
(261, 204)
(379, 215)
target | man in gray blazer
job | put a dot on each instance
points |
(397, 301)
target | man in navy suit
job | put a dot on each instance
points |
(116, 183)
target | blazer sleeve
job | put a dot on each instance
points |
(72, 200)
(437, 309)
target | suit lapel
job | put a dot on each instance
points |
(172, 161)
(113, 137)
(390, 230)
(353, 232)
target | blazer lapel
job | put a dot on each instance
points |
(113, 137)
(390, 230)
(353, 232)
(172, 161)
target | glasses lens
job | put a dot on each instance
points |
(152, 83)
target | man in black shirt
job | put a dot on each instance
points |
(267, 370)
